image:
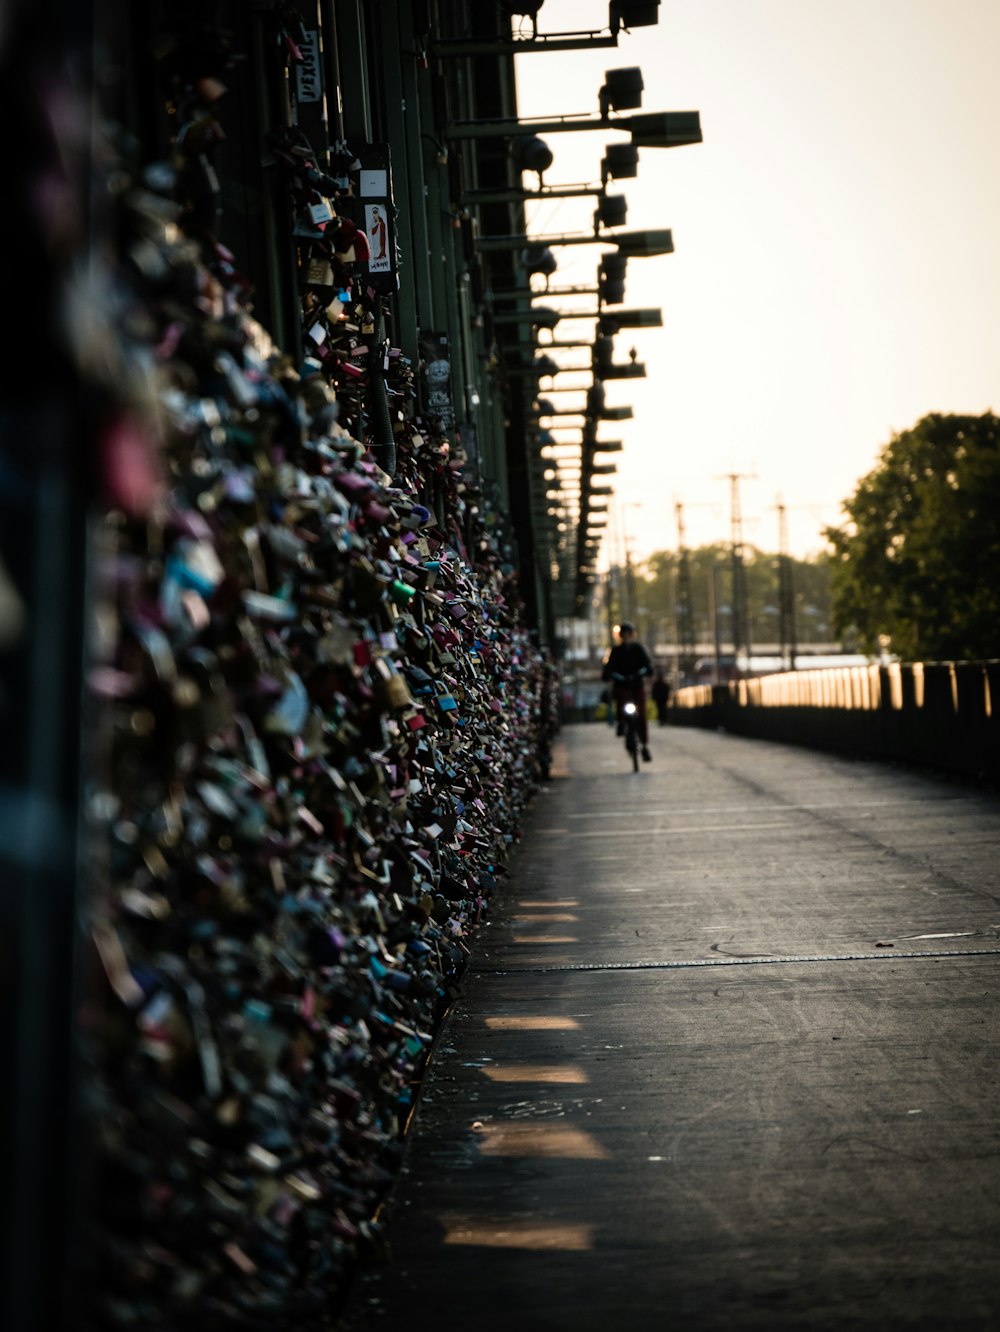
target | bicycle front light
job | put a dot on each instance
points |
(630, 709)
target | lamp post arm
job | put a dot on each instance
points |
(514, 195)
(633, 244)
(549, 346)
(555, 41)
(506, 128)
(497, 244)
(649, 129)
(530, 294)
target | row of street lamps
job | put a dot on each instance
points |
(569, 505)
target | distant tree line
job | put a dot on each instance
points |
(654, 599)
(914, 569)
(916, 565)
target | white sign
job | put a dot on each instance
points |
(308, 76)
(374, 182)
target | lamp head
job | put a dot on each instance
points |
(622, 90)
(665, 129)
(620, 162)
(595, 400)
(543, 316)
(603, 354)
(633, 14)
(623, 370)
(531, 153)
(611, 211)
(524, 9)
(611, 278)
(613, 323)
(644, 244)
(539, 259)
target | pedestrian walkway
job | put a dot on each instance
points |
(727, 1057)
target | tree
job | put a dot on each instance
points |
(916, 566)
(658, 591)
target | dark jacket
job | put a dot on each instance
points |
(627, 659)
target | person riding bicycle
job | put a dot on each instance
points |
(627, 667)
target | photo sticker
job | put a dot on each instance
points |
(377, 230)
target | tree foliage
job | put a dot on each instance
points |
(655, 594)
(916, 566)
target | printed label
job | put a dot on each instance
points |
(308, 75)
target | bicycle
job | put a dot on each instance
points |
(632, 733)
(629, 719)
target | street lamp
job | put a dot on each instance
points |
(597, 409)
(648, 129)
(531, 153)
(609, 322)
(629, 244)
(611, 278)
(538, 316)
(620, 162)
(599, 369)
(553, 343)
(623, 15)
(610, 289)
(611, 211)
(538, 259)
(607, 368)
(595, 406)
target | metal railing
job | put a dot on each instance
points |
(936, 713)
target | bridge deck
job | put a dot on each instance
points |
(728, 1057)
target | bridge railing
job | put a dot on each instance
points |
(943, 714)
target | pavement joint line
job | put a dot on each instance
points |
(756, 808)
(687, 828)
(886, 955)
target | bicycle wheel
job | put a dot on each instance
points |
(632, 744)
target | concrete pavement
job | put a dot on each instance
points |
(727, 1057)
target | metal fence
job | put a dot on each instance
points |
(936, 713)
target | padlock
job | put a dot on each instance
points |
(319, 273)
(321, 211)
(395, 692)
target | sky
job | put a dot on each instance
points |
(836, 265)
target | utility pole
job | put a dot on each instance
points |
(630, 601)
(686, 646)
(713, 611)
(741, 611)
(786, 591)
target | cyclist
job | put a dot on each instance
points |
(627, 666)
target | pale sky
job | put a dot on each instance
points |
(836, 273)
